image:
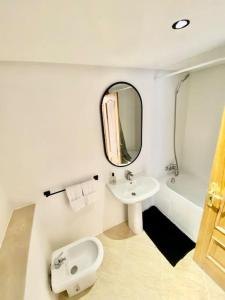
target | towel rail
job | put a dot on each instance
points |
(48, 193)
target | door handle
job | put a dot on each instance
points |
(214, 197)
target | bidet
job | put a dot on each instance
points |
(82, 259)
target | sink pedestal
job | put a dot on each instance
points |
(135, 220)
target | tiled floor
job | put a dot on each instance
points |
(134, 269)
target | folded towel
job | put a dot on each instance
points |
(88, 188)
(75, 196)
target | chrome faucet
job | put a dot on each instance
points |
(59, 260)
(129, 175)
(172, 167)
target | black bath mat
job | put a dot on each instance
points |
(171, 242)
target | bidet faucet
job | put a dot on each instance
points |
(129, 175)
(58, 261)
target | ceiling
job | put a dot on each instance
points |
(122, 33)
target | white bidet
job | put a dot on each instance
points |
(73, 267)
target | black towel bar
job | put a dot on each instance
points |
(48, 193)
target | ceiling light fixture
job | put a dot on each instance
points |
(181, 24)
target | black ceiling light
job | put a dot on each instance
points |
(181, 24)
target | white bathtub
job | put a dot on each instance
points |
(182, 202)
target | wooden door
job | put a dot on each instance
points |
(210, 248)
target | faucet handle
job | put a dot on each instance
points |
(58, 258)
(60, 254)
(128, 174)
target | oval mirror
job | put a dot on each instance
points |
(121, 113)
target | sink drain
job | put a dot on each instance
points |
(133, 194)
(73, 270)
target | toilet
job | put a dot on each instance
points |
(74, 266)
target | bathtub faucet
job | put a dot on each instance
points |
(172, 167)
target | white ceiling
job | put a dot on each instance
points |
(123, 33)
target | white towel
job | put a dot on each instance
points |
(75, 196)
(88, 188)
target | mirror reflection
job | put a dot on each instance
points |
(121, 110)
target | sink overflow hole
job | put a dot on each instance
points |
(74, 269)
(133, 194)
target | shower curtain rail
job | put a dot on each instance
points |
(196, 67)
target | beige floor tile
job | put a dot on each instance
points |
(119, 232)
(134, 269)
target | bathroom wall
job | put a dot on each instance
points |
(205, 104)
(5, 214)
(164, 121)
(200, 104)
(51, 137)
(161, 119)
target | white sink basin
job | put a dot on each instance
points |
(139, 189)
(132, 193)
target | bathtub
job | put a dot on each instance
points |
(182, 199)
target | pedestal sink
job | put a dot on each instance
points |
(133, 192)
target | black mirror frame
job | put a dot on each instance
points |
(103, 137)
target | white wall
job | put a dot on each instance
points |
(51, 136)
(163, 120)
(5, 214)
(160, 133)
(206, 100)
(200, 104)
